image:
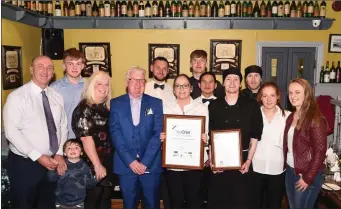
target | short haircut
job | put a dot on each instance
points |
(89, 91)
(182, 75)
(74, 54)
(198, 53)
(160, 59)
(208, 73)
(133, 69)
(73, 141)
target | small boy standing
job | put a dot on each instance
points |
(71, 187)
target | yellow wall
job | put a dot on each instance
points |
(130, 47)
(16, 34)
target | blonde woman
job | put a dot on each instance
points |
(90, 124)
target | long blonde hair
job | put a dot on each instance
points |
(89, 91)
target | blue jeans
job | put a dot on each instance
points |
(298, 199)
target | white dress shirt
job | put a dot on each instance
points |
(199, 99)
(268, 158)
(166, 95)
(193, 108)
(25, 122)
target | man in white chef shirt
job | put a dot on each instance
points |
(158, 87)
(207, 84)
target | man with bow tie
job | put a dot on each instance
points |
(207, 84)
(158, 87)
(135, 124)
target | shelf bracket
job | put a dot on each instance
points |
(20, 14)
(94, 23)
(274, 24)
(50, 23)
(42, 21)
(185, 24)
(141, 24)
(231, 23)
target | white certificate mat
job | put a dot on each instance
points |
(226, 149)
(183, 144)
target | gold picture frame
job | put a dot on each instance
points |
(11, 67)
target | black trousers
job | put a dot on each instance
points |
(271, 190)
(29, 184)
(185, 186)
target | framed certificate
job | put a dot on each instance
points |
(226, 151)
(183, 147)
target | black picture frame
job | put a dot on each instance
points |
(97, 57)
(169, 51)
(223, 54)
(334, 45)
(11, 67)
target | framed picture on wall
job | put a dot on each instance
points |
(97, 57)
(11, 67)
(169, 51)
(334, 43)
(225, 54)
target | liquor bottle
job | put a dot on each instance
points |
(316, 9)
(148, 9)
(244, 9)
(310, 9)
(72, 8)
(238, 9)
(326, 74)
(28, 5)
(78, 8)
(155, 10)
(95, 9)
(233, 9)
(293, 9)
(40, 7)
(136, 8)
(274, 9)
(21, 4)
(161, 9)
(184, 9)
(287, 9)
(14, 3)
(113, 9)
(65, 8)
(168, 11)
(280, 12)
(88, 8)
(214, 9)
(124, 9)
(130, 9)
(57, 9)
(322, 75)
(208, 9)
(141, 9)
(178, 12)
(227, 9)
(299, 10)
(49, 8)
(173, 8)
(83, 8)
(249, 9)
(323, 9)
(107, 9)
(191, 9)
(118, 9)
(338, 73)
(33, 6)
(305, 9)
(101, 9)
(268, 9)
(256, 10)
(263, 11)
(196, 9)
(221, 9)
(332, 74)
(202, 9)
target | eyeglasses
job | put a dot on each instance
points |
(184, 86)
(135, 80)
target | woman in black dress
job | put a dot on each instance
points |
(235, 188)
(90, 124)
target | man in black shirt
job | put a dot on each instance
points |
(199, 66)
(253, 80)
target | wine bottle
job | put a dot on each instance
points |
(57, 9)
(168, 11)
(136, 8)
(185, 9)
(322, 75)
(88, 8)
(101, 9)
(299, 10)
(113, 9)
(233, 9)
(249, 9)
(244, 9)
(141, 9)
(155, 9)
(221, 9)
(208, 9)
(311, 9)
(197, 9)
(305, 9)
(107, 9)
(178, 12)
(83, 8)
(269, 9)
(316, 9)
(263, 11)
(293, 9)
(274, 10)
(202, 9)
(338, 73)
(95, 9)
(161, 9)
(332, 74)
(65, 8)
(118, 9)
(326, 74)
(191, 9)
(147, 9)
(49, 8)
(124, 9)
(323, 9)
(130, 9)
(256, 10)
(287, 9)
(280, 9)
(239, 9)
(227, 9)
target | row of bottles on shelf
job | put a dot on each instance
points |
(331, 75)
(177, 8)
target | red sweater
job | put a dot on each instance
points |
(309, 148)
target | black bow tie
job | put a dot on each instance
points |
(207, 100)
(159, 86)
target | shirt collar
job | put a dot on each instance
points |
(135, 99)
(66, 80)
(211, 97)
(162, 83)
(278, 110)
(36, 89)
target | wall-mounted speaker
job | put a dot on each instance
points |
(53, 43)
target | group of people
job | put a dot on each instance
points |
(50, 127)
